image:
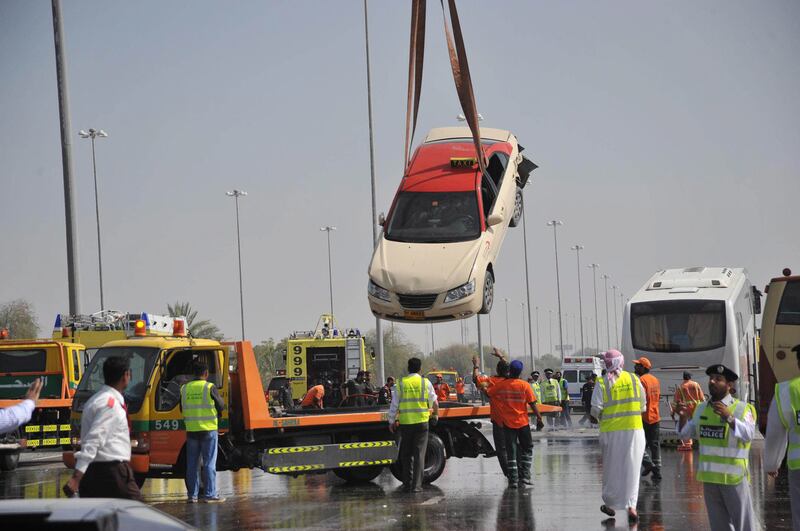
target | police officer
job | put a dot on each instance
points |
(725, 427)
(410, 412)
(102, 466)
(563, 387)
(536, 385)
(551, 393)
(783, 422)
(201, 406)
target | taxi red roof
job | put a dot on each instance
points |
(430, 169)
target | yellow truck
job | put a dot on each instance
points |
(60, 365)
(95, 330)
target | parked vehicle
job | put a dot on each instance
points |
(576, 371)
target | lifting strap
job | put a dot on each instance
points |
(416, 55)
(458, 62)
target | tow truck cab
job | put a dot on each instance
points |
(59, 364)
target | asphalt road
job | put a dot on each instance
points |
(471, 494)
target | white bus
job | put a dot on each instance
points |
(688, 319)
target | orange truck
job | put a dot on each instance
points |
(353, 442)
(59, 364)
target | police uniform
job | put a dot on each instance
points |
(551, 394)
(105, 454)
(783, 423)
(723, 458)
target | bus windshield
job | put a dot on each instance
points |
(142, 361)
(678, 326)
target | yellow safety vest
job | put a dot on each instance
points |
(537, 390)
(199, 412)
(723, 457)
(564, 389)
(413, 400)
(787, 396)
(549, 390)
(622, 408)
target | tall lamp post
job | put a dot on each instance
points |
(578, 248)
(605, 278)
(616, 324)
(236, 194)
(508, 336)
(524, 343)
(538, 345)
(328, 229)
(527, 282)
(555, 223)
(92, 134)
(594, 267)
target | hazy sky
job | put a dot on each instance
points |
(667, 134)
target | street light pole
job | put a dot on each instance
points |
(550, 326)
(605, 278)
(578, 248)
(538, 345)
(328, 229)
(555, 223)
(524, 343)
(616, 324)
(527, 282)
(92, 134)
(508, 336)
(236, 194)
(594, 267)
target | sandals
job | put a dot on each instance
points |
(606, 510)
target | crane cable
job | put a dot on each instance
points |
(459, 66)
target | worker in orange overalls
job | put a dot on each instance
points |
(442, 389)
(688, 395)
(460, 390)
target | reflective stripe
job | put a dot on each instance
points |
(622, 401)
(413, 407)
(720, 468)
(622, 414)
(621, 405)
(199, 412)
(724, 451)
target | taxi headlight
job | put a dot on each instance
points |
(460, 292)
(378, 292)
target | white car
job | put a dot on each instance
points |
(435, 258)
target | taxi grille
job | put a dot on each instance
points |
(417, 302)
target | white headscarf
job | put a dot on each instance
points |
(614, 361)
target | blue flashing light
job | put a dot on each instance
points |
(146, 319)
(58, 322)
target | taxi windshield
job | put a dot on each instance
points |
(435, 217)
(142, 360)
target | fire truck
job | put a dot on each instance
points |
(353, 442)
(59, 365)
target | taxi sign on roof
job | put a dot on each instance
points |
(462, 162)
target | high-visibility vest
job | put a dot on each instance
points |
(549, 390)
(537, 390)
(622, 406)
(199, 412)
(787, 396)
(723, 457)
(413, 400)
(564, 389)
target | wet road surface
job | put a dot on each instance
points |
(470, 494)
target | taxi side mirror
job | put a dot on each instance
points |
(494, 219)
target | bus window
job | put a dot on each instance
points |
(789, 309)
(678, 326)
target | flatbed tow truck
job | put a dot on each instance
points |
(353, 442)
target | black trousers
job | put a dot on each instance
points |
(519, 453)
(652, 447)
(112, 479)
(499, 437)
(413, 444)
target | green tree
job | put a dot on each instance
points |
(456, 356)
(270, 358)
(397, 349)
(202, 328)
(548, 361)
(20, 319)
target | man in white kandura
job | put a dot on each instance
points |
(618, 401)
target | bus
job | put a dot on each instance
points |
(687, 319)
(780, 338)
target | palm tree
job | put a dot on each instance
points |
(197, 328)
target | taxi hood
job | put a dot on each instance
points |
(417, 268)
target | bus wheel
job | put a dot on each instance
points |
(9, 460)
(435, 459)
(359, 474)
(139, 478)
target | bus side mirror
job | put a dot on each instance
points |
(756, 300)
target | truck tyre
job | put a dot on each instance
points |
(435, 459)
(517, 214)
(488, 292)
(9, 460)
(359, 474)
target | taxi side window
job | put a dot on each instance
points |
(488, 195)
(178, 371)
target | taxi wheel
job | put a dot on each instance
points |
(488, 293)
(9, 460)
(435, 459)
(359, 474)
(517, 215)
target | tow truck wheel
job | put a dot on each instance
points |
(517, 215)
(9, 460)
(488, 293)
(359, 474)
(435, 459)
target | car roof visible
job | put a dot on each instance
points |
(446, 133)
(430, 169)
